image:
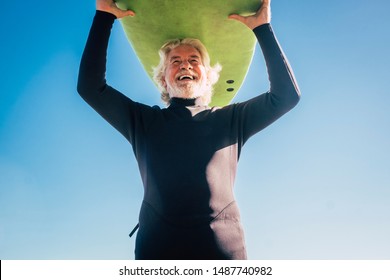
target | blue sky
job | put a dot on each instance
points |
(314, 185)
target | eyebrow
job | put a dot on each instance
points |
(179, 57)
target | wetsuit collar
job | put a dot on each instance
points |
(176, 101)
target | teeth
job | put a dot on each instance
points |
(185, 76)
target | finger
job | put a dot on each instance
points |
(266, 3)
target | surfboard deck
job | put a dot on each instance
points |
(228, 42)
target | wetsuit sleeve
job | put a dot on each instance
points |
(127, 116)
(284, 94)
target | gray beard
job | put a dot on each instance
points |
(192, 90)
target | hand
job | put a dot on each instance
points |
(262, 16)
(110, 7)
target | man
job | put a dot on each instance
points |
(187, 153)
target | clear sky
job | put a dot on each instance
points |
(314, 185)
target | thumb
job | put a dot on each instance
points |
(124, 13)
(237, 17)
(129, 13)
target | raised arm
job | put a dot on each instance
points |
(93, 63)
(127, 116)
(284, 94)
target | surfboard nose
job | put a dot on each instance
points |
(229, 43)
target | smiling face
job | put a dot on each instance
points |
(188, 60)
(185, 75)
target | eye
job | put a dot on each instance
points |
(194, 59)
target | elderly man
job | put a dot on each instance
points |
(187, 153)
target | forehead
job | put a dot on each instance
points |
(184, 51)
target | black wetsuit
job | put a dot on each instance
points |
(187, 154)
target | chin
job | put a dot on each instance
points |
(201, 91)
(187, 92)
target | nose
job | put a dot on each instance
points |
(185, 64)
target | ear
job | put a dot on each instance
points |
(163, 82)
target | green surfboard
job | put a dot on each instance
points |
(228, 42)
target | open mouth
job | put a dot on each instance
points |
(186, 78)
